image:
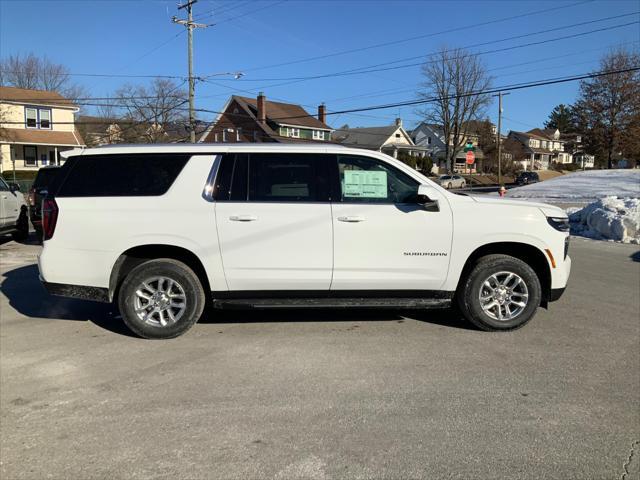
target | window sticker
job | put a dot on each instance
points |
(365, 184)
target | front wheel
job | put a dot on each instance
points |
(161, 298)
(500, 293)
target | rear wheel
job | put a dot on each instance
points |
(161, 298)
(500, 293)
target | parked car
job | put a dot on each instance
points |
(37, 192)
(524, 178)
(14, 219)
(163, 229)
(452, 181)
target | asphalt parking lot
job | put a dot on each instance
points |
(324, 394)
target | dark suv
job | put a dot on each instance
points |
(527, 177)
(38, 191)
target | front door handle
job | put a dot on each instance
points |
(351, 219)
(243, 218)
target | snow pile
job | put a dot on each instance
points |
(582, 187)
(609, 218)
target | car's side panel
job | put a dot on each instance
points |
(276, 246)
(92, 232)
(518, 224)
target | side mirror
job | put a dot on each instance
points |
(428, 197)
(13, 187)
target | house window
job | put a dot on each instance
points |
(238, 134)
(30, 156)
(31, 115)
(318, 135)
(428, 140)
(37, 117)
(45, 118)
(293, 132)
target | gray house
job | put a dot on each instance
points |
(431, 137)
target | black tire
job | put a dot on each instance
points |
(22, 227)
(173, 270)
(469, 292)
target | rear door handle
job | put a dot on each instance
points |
(243, 218)
(351, 219)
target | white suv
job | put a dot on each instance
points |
(165, 230)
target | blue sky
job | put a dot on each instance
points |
(138, 38)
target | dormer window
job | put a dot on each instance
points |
(318, 135)
(293, 132)
(45, 118)
(37, 118)
(31, 114)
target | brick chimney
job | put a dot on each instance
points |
(322, 113)
(262, 109)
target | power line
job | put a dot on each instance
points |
(251, 12)
(517, 86)
(361, 70)
(417, 37)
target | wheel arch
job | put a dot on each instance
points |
(134, 256)
(530, 254)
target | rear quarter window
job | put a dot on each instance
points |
(122, 175)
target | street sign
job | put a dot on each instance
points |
(471, 158)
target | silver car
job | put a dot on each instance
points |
(452, 181)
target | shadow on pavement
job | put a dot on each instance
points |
(26, 295)
(635, 256)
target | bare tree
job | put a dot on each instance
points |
(38, 73)
(608, 108)
(150, 111)
(453, 79)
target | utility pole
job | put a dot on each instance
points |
(498, 137)
(188, 23)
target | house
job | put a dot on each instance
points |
(245, 119)
(431, 137)
(99, 131)
(391, 139)
(574, 145)
(542, 148)
(35, 126)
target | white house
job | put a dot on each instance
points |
(35, 126)
(542, 148)
(391, 139)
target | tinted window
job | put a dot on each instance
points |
(45, 177)
(367, 180)
(122, 175)
(231, 181)
(3, 186)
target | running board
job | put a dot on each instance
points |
(356, 302)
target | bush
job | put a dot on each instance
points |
(20, 175)
(423, 164)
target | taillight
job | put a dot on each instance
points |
(49, 217)
(32, 198)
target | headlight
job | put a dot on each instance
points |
(559, 223)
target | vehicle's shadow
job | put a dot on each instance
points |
(26, 295)
(635, 256)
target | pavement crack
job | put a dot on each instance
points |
(625, 465)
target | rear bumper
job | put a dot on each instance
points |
(83, 292)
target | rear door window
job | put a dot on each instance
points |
(121, 175)
(273, 177)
